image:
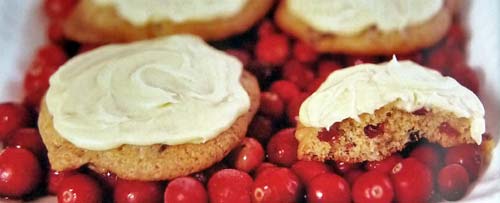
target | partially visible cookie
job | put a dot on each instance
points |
(154, 162)
(91, 22)
(371, 41)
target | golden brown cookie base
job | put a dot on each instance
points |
(90, 23)
(399, 128)
(369, 42)
(154, 162)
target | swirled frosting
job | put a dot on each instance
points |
(171, 90)
(140, 12)
(365, 88)
(350, 17)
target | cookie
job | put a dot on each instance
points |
(96, 23)
(153, 162)
(371, 41)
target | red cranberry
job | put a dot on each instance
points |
(373, 131)
(55, 32)
(271, 104)
(37, 78)
(353, 175)
(327, 67)
(330, 135)
(314, 85)
(27, 138)
(12, 116)
(20, 172)
(185, 190)
(307, 170)
(266, 28)
(241, 54)
(79, 188)
(276, 185)
(58, 9)
(304, 53)
(285, 89)
(137, 191)
(248, 156)
(328, 187)
(33, 98)
(272, 49)
(385, 165)
(455, 37)
(453, 182)
(230, 185)
(429, 154)
(215, 168)
(438, 60)
(373, 186)
(262, 167)
(293, 108)
(344, 167)
(297, 73)
(55, 178)
(467, 77)
(412, 181)
(282, 148)
(50, 55)
(467, 155)
(261, 128)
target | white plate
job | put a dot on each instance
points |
(23, 25)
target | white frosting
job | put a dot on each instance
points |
(140, 12)
(365, 88)
(350, 17)
(171, 90)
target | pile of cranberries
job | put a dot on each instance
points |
(264, 168)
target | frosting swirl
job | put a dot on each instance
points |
(350, 17)
(171, 90)
(365, 88)
(140, 12)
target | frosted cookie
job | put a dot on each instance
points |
(367, 112)
(149, 110)
(104, 21)
(365, 27)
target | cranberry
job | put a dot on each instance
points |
(12, 116)
(455, 36)
(412, 181)
(298, 73)
(272, 49)
(285, 89)
(262, 167)
(353, 175)
(373, 131)
(271, 104)
(438, 60)
(467, 155)
(385, 165)
(276, 185)
(55, 32)
(58, 9)
(328, 187)
(331, 134)
(429, 154)
(293, 108)
(266, 28)
(37, 79)
(79, 188)
(327, 67)
(373, 186)
(304, 53)
(230, 185)
(20, 172)
(282, 148)
(33, 98)
(467, 77)
(27, 138)
(314, 85)
(248, 156)
(453, 182)
(241, 54)
(344, 167)
(50, 55)
(215, 168)
(185, 190)
(55, 178)
(137, 191)
(261, 128)
(307, 170)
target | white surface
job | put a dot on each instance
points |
(22, 29)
